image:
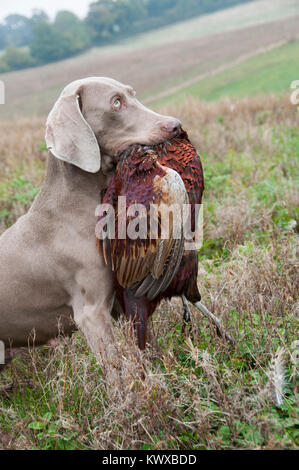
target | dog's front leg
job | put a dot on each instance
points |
(94, 320)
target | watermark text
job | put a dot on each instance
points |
(164, 222)
(2, 353)
(295, 94)
(2, 92)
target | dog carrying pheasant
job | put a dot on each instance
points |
(148, 268)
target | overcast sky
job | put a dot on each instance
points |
(25, 7)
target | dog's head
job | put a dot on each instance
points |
(100, 115)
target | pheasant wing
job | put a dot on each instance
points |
(148, 264)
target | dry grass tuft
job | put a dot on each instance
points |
(21, 141)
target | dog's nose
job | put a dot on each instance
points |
(173, 127)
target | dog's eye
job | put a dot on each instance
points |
(117, 104)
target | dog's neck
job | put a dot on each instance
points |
(66, 185)
(71, 177)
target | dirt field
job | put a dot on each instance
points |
(33, 91)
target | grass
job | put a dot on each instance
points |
(199, 394)
(271, 72)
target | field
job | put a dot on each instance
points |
(199, 394)
(157, 61)
(270, 72)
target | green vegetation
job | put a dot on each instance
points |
(15, 192)
(199, 394)
(14, 58)
(271, 72)
(66, 37)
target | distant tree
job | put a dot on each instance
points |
(108, 19)
(102, 21)
(16, 59)
(66, 20)
(18, 30)
(48, 44)
(130, 12)
(2, 37)
(73, 29)
(3, 66)
(158, 7)
(38, 15)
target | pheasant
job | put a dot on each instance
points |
(146, 270)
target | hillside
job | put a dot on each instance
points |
(238, 17)
(269, 72)
(188, 50)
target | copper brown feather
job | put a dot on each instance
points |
(147, 270)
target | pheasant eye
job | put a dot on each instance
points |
(117, 104)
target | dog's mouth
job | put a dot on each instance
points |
(125, 151)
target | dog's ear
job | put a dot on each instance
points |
(69, 137)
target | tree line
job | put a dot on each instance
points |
(30, 41)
